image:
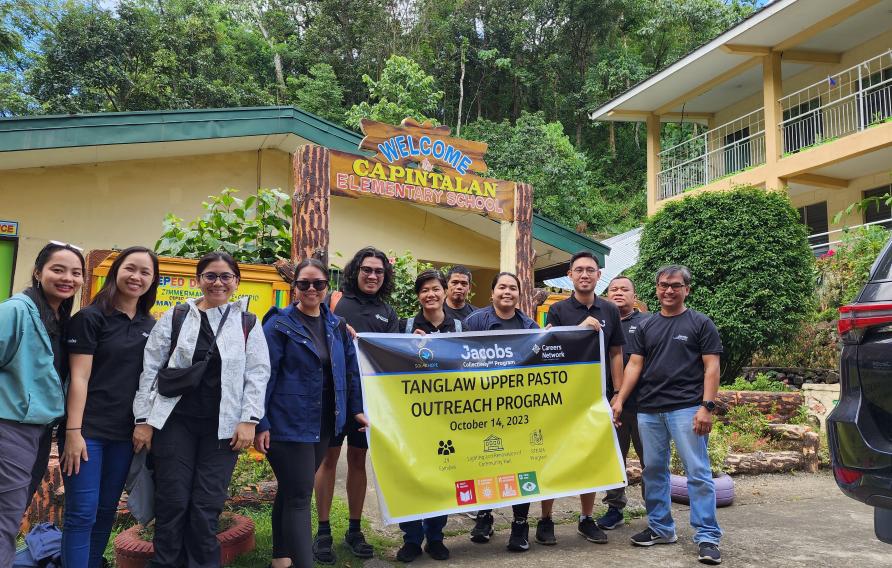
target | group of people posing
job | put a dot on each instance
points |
(207, 380)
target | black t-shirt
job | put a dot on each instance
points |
(204, 401)
(630, 325)
(673, 349)
(572, 312)
(459, 314)
(447, 326)
(367, 314)
(319, 336)
(116, 343)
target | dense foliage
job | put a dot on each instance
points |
(455, 62)
(751, 265)
(256, 229)
(844, 270)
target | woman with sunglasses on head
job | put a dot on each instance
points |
(502, 314)
(313, 388)
(33, 363)
(200, 397)
(105, 343)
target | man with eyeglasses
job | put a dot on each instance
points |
(367, 282)
(584, 308)
(675, 365)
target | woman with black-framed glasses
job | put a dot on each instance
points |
(195, 424)
(314, 384)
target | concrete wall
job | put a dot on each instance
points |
(118, 204)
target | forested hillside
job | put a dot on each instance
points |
(519, 74)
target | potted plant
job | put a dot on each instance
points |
(134, 549)
(724, 484)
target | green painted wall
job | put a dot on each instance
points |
(7, 261)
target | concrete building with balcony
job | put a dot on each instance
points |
(797, 97)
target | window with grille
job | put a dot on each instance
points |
(879, 210)
(815, 218)
(807, 129)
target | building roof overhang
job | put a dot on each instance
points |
(727, 69)
(51, 141)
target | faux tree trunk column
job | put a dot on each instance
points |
(525, 256)
(309, 228)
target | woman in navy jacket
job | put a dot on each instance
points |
(314, 383)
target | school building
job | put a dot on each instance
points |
(798, 97)
(107, 180)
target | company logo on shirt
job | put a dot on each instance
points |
(633, 328)
(144, 334)
(680, 337)
(72, 341)
(382, 318)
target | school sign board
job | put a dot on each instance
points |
(421, 163)
(468, 421)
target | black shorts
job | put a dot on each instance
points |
(355, 438)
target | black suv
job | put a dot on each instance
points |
(860, 427)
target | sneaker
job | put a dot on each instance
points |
(709, 553)
(519, 539)
(482, 531)
(437, 550)
(612, 519)
(545, 532)
(649, 537)
(358, 546)
(408, 552)
(590, 531)
(322, 549)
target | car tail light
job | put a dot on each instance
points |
(854, 319)
(846, 476)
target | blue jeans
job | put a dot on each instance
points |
(414, 532)
(91, 501)
(656, 430)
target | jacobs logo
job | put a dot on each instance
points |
(484, 353)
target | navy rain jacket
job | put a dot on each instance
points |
(294, 390)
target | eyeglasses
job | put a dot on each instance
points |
(67, 245)
(304, 285)
(667, 285)
(225, 277)
(368, 271)
(585, 270)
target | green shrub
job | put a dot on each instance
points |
(761, 382)
(842, 272)
(249, 471)
(256, 229)
(815, 345)
(751, 265)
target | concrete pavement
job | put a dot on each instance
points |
(781, 520)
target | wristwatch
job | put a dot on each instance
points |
(709, 405)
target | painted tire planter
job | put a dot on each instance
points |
(724, 489)
(133, 552)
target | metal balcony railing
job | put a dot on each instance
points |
(714, 154)
(844, 103)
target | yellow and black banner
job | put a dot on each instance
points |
(478, 420)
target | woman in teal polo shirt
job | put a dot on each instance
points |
(32, 365)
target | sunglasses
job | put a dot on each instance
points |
(304, 285)
(67, 245)
(368, 271)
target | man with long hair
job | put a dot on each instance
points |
(367, 283)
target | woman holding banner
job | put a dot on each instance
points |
(502, 314)
(314, 383)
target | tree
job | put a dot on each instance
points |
(404, 90)
(753, 272)
(318, 92)
(539, 153)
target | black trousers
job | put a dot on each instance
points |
(295, 465)
(627, 434)
(192, 473)
(38, 472)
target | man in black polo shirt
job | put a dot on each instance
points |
(458, 286)
(584, 308)
(367, 281)
(675, 365)
(621, 291)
